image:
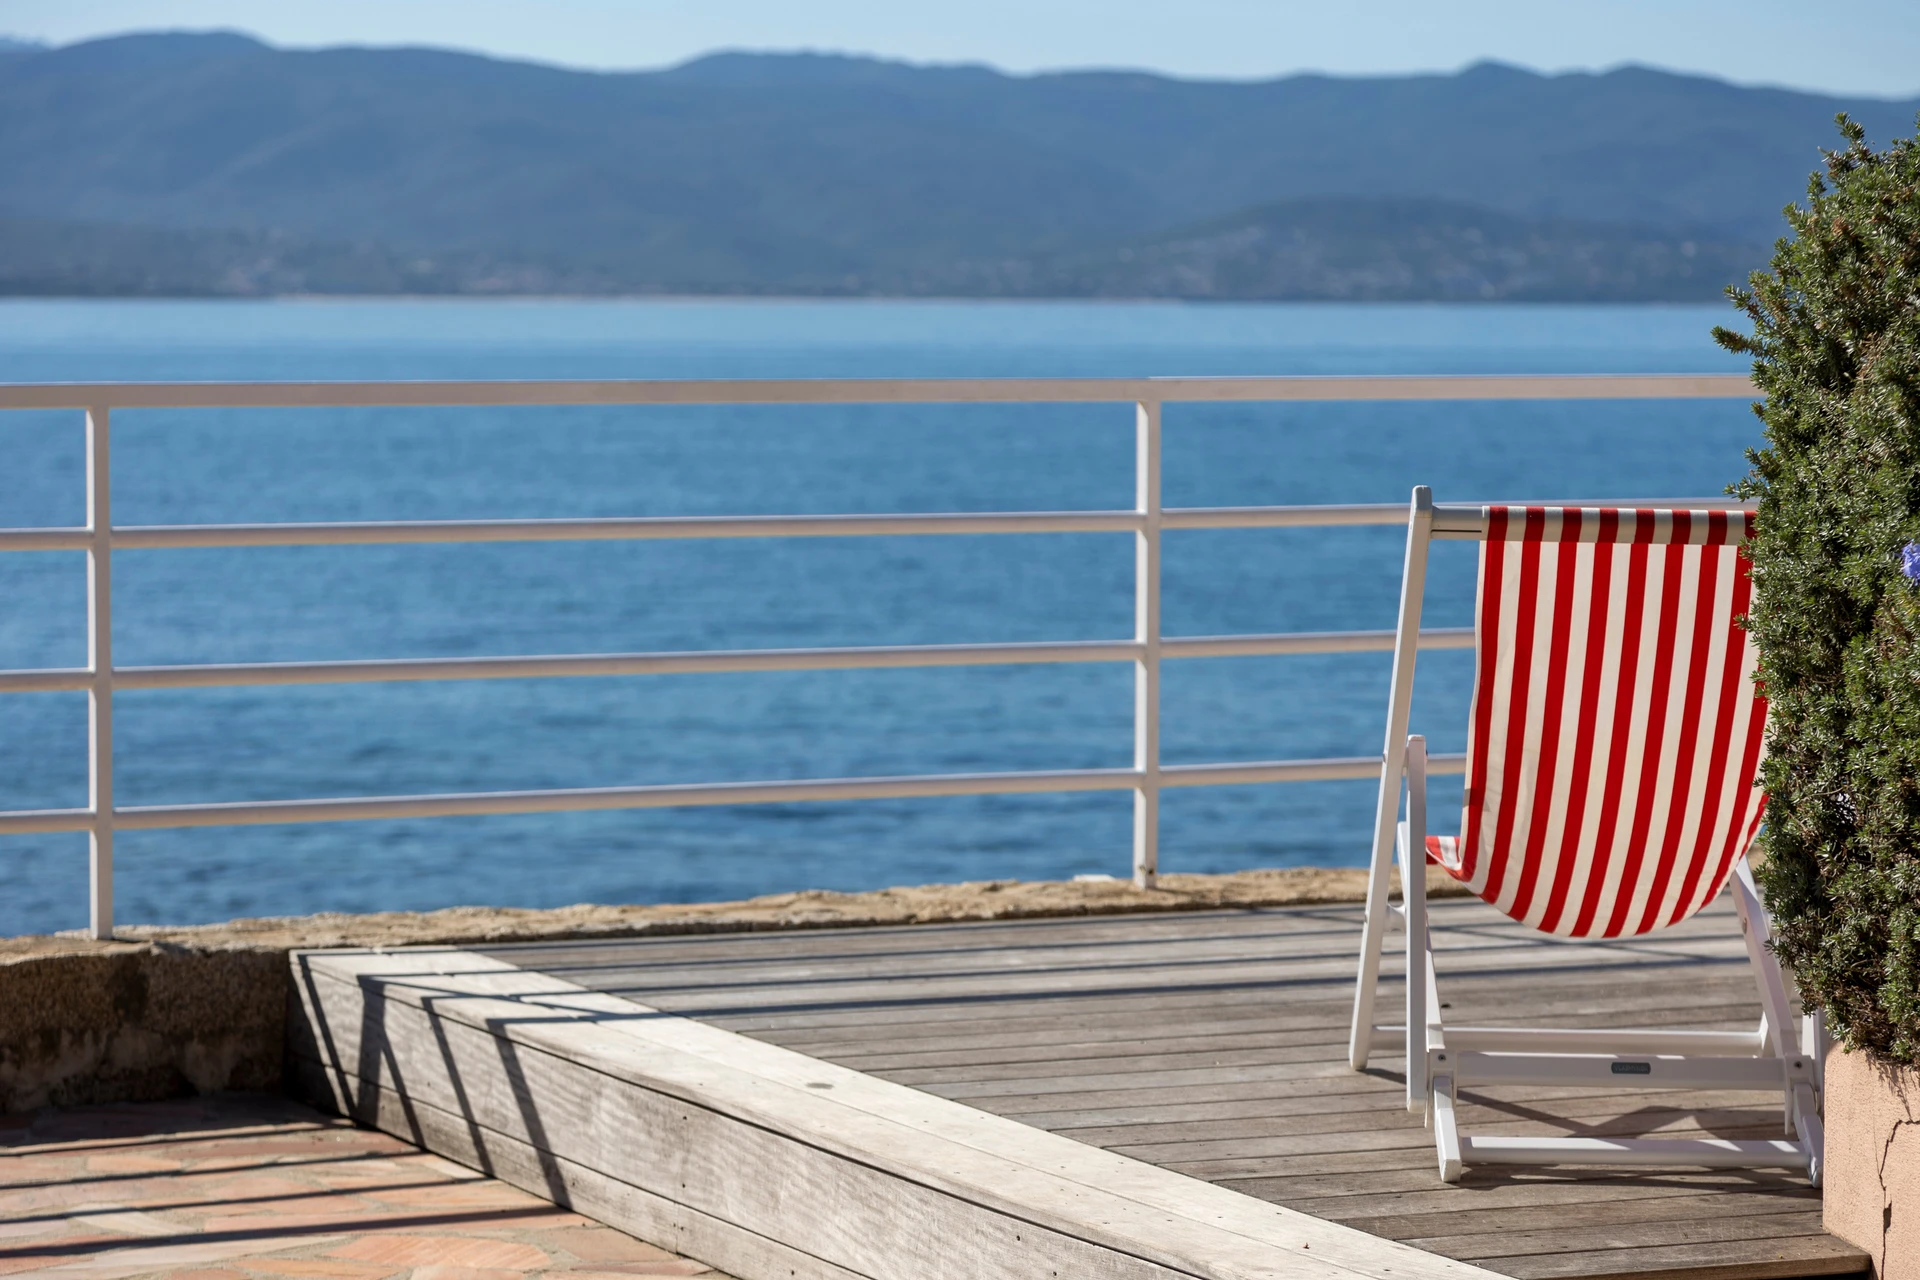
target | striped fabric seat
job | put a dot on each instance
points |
(1616, 731)
(1614, 742)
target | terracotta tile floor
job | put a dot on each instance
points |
(240, 1187)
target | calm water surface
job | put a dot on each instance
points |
(318, 603)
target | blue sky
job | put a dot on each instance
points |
(1840, 46)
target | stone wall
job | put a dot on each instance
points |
(1872, 1183)
(117, 1022)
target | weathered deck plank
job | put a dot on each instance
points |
(785, 1165)
(1214, 1044)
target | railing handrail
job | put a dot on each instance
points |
(697, 794)
(156, 537)
(225, 675)
(1147, 521)
(788, 391)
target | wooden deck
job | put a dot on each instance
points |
(1213, 1045)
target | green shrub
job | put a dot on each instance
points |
(1836, 347)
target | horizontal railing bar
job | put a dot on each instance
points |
(154, 537)
(373, 671)
(50, 539)
(686, 795)
(1302, 517)
(645, 797)
(295, 395)
(46, 680)
(694, 795)
(1453, 516)
(1300, 642)
(623, 664)
(1453, 519)
(1327, 770)
(1250, 772)
(26, 822)
(351, 533)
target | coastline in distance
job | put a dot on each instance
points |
(224, 166)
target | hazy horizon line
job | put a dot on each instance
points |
(960, 64)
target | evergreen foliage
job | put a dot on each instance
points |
(1836, 613)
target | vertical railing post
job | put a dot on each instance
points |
(100, 666)
(1146, 633)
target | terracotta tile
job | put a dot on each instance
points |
(307, 1202)
(486, 1195)
(463, 1251)
(80, 1189)
(293, 1223)
(604, 1244)
(125, 1220)
(130, 1163)
(262, 1186)
(258, 1148)
(70, 1242)
(374, 1181)
(213, 1202)
(323, 1267)
(23, 1230)
(375, 1166)
(349, 1164)
(114, 1263)
(32, 1201)
(447, 1168)
(21, 1167)
(371, 1213)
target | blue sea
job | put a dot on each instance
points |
(366, 602)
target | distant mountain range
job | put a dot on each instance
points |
(214, 164)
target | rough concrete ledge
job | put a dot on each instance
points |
(165, 1011)
(1872, 1196)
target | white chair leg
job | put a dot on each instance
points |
(1446, 1132)
(1802, 1102)
(1414, 926)
(1412, 848)
(1807, 1127)
(1372, 939)
(1813, 1043)
(1757, 930)
(1406, 647)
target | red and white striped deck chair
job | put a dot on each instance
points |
(1613, 746)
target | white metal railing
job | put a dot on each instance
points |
(1147, 521)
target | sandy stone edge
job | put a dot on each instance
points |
(168, 1011)
(807, 909)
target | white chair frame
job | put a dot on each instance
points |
(1441, 1060)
